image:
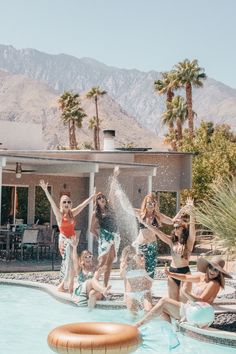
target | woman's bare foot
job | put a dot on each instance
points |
(61, 288)
(106, 290)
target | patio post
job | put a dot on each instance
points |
(177, 201)
(149, 186)
(2, 164)
(90, 213)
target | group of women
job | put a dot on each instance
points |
(138, 261)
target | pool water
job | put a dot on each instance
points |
(28, 315)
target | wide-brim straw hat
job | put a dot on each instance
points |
(216, 262)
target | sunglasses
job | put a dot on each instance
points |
(101, 197)
(88, 257)
(66, 202)
(212, 268)
(151, 203)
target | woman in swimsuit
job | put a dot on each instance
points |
(65, 216)
(181, 242)
(210, 279)
(87, 289)
(146, 242)
(137, 281)
(104, 227)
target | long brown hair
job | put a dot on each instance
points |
(97, 208)
(143, 209)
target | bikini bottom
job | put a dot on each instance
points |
(179, 270)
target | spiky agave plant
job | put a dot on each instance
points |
(219, 213)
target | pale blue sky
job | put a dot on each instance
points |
(142, 34)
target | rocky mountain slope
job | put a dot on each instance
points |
(27, 100)
(132, 89)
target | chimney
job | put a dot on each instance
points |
(108, 143)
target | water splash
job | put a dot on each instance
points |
(123, 209)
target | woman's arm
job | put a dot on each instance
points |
(190, 278)
(209, 293)
(80, 207)
(162, 236)
(164, 219)
(75, 257)
(95, 227)
(55, 209)
(123, 267)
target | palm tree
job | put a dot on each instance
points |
(94, 93)
(189, 74)
(72, 114)
(180, 110)
(166, 84)
(94, 126)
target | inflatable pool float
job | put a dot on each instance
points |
(94, 338)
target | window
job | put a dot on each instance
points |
(14, 204)
(42, 206)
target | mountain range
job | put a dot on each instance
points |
(130, 91)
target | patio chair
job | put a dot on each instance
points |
(30, 242)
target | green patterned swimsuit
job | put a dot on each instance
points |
(80, 295)
(150, 252)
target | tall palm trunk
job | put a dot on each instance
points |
(97, 141)
(171, 128)
(179, 129)
(190, 108)
(170, 94)
(72, 136)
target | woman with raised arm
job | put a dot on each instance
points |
(104, 228)
(181, 242)
(146, 242)
(136, 280)
(210, 279)
(87, 289)
(65, 216)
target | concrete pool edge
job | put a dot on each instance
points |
(210, 335)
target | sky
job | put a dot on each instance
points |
(133, 34)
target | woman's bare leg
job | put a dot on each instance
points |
(188, 288)
(132, 305)
(164, 305)
(93, 297)
(173, 290)
(147, 302)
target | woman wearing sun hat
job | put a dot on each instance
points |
(208, 281)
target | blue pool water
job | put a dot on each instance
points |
(28, 315)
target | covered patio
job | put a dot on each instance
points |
(76, 173)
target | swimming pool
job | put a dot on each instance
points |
(28, 315)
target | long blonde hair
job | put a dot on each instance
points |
(143, 209)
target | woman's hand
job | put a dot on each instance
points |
(116, 171)
(74, 241)
(166, 270)
(43, 185)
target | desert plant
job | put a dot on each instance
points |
(219, 213)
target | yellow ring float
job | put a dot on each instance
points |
(94, 338)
